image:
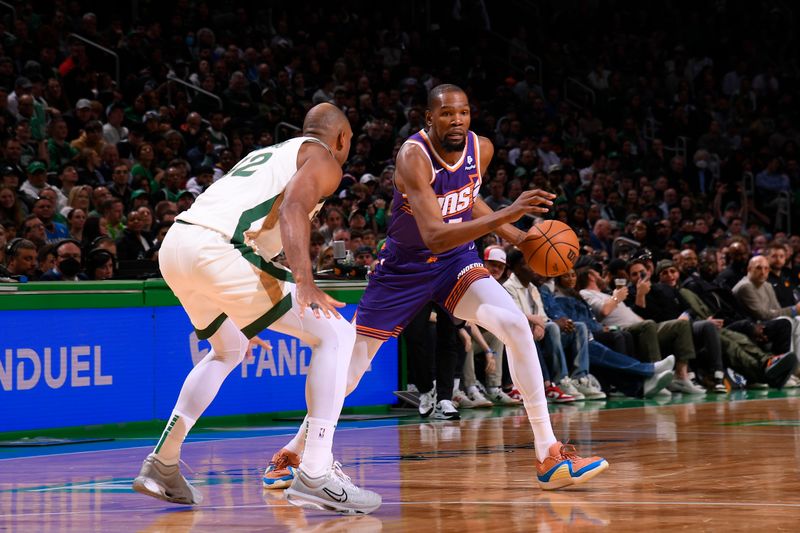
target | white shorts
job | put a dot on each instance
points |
(214, 280)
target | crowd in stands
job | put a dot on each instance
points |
(671, 142)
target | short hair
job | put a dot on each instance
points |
(44, 251)
(437, 92)
(514, 258)
(108, 204)
(15, 245)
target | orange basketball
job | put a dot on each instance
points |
(550, 248)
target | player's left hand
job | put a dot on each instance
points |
(311, 296)
(256, 341)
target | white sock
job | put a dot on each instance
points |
(318, 454)
(456, 383)
(298, 442)
(168, 449)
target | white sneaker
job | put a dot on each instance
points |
(478, 399)
(461, 400)
(427, 402)
(792, 383)
(568, 387)
(589, 387)
(686, 386)
(445, 410)
(655, 384)
(333, 491)
(664, 393)
(668, 363)
(411, 388)
(499, 397)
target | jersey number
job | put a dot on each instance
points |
(247, 167)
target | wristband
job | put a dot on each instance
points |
(615, 299)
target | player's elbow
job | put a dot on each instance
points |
(435, 241)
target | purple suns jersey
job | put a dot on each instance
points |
(456, 188)
(408, 275)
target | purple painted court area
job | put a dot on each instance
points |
(90, 491)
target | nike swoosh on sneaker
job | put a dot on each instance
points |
(341, 498)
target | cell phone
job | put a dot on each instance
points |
(339, 250)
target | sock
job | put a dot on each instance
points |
(318, 454)
(298, 442)
(456, 383)
(168, 449)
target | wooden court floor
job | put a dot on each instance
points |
(708, 466)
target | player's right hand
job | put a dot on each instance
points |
(311, 296)
(533, 201)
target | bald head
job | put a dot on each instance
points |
(327, 123)
(324, 120)
(758, 269)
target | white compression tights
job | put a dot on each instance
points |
(364, 350)
(488, 304)
(332, 343)
(228, 347)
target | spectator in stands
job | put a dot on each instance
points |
(112, 210)
(20, 258)
(133, 243)
(45, 210)
(68, 263)
(552, 338)
(780, 277)
(119, 187)
(113, 130)
(202, 180)
(664, 302)
(91, 138)
(76, 218)
(736, 269)
(99, 265)
(11, 208)
(620, 370)
(145, 166)
(69, 179)
(758, 298)
(674, 335)
(37, 180)
(325, 260)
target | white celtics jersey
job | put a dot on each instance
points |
(243, 204)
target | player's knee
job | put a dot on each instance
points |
(512, 326)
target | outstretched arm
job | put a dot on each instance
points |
(318, 174)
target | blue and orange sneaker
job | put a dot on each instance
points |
(565, 467)
(280, 470)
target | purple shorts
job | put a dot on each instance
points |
(399, 288)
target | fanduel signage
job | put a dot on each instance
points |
(63, 368)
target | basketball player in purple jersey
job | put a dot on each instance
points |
(430, 255)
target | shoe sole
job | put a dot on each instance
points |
(274, 484)
(665, 380)
(562, 477)
(307, 501)
(149, 487)
(779, 373)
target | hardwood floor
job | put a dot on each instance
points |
(717, 466)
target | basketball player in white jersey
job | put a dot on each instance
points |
(217, 260)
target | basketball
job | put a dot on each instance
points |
(550, 248)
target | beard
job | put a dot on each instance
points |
(454, 147)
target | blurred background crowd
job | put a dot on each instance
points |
(668, 131)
